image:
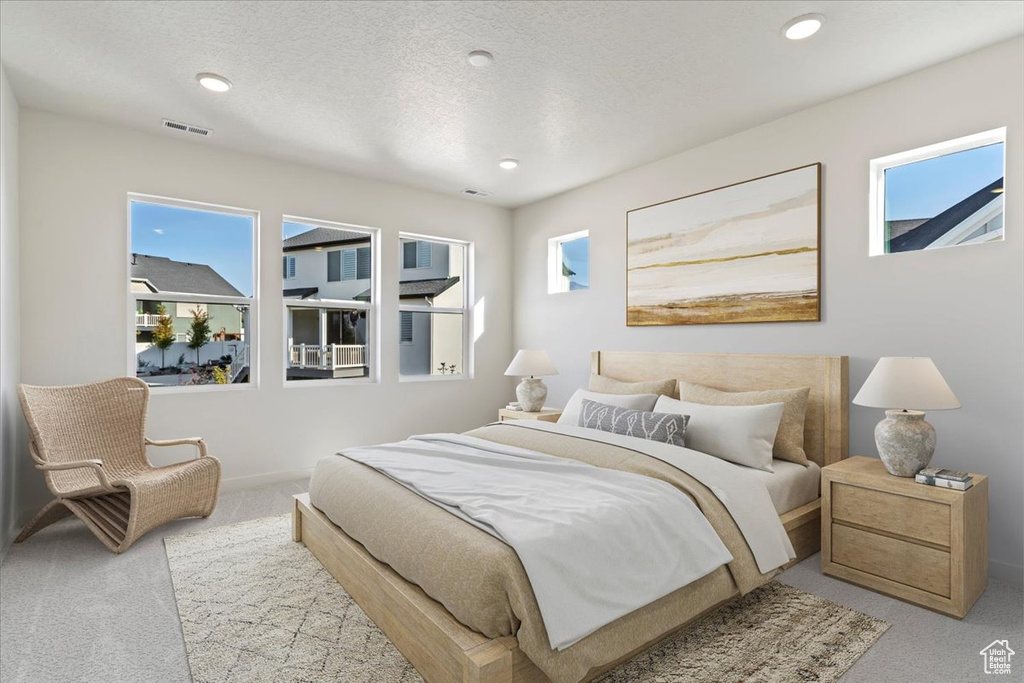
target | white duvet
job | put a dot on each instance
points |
(596, 543)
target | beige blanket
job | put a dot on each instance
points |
(480, 580)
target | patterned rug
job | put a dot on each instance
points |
(257, 608)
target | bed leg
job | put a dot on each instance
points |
(296, 521)
(488, 663)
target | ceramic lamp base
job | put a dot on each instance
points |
(532, 393)
(905, 442)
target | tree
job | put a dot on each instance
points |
(199, 331)
(163, 333)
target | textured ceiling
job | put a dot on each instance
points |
(577, 91)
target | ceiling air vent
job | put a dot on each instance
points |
(476, 193)
(188, 128)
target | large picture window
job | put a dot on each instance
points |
(943, 195)
(192, 275)
(433, 308)
(330, 301)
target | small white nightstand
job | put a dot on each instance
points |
(544, 415)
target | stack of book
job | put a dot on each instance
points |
(949, 479)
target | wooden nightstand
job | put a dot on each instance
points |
(544, 415)
(919, 543)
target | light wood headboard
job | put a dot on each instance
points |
(827, 425)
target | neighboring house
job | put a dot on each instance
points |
(158, 274)
(976, 219)
(327, 263)
(429, 277)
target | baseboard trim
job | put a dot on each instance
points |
(253, 481)
(1006, 572)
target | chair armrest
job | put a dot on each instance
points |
(192, 440)
(96, 465)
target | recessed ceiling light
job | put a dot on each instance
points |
(480, 58)
(213, 82)
(508, 164)
(804, 26)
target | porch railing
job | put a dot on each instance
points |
(239, 362)
(146, 319)
(330, 357)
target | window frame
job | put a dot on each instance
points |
(466, 311)
(253, 302)
(372, 308)
(878, 167)
(555, 260)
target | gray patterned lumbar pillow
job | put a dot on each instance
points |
(664, 427)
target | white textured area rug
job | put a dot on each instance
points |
(256, 607)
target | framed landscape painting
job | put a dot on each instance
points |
(744, 253)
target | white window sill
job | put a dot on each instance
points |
(200, 388)
(432, 378)
(329, 382)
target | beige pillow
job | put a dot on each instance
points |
(789, 442)
(608, 385)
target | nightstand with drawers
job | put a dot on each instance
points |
(923, 544)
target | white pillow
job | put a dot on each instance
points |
(571, 412)
(744, 435)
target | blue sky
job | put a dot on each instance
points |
(221, 241)
(927, 188)
(293, 229)
(576, 255)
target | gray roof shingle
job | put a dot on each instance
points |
(323, 237)
(176, 276)
(418, 289)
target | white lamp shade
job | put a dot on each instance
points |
(531, 364)
(906, 384)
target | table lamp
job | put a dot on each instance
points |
(905, 387)
(529, 365)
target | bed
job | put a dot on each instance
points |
(480, 581)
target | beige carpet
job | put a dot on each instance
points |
(257, 608)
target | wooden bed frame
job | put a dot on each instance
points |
(445, 651)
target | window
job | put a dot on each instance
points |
(944, 195)
(434, 295)
(569, 262)
(331, 303)
(192, 274)
(416, 254)
(348, 264)
(406, 327)
(289, 267)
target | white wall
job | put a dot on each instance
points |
(962, 306)
(75, 176)
(12, 449)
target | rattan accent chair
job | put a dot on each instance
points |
(89, 441)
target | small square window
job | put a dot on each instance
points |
(944, 195)
(569, 262)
